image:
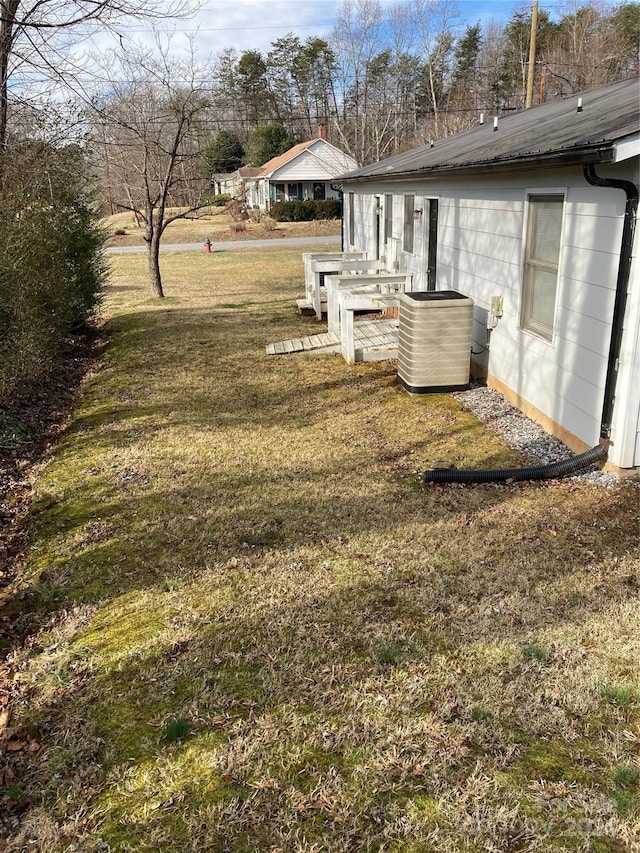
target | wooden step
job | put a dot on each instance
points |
(327, 342)
(372, 336)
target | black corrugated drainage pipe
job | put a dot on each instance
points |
(539, 472)
(622, 284)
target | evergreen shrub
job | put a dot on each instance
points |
(306, 211)
(51, 264)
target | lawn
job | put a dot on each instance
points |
(262, 632)
(216, 224)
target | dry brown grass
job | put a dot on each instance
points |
(365, 663)
(216, 224)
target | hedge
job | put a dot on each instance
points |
(306, 211)
(51, 265)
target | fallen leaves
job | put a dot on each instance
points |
(4, 721)
(28, 745)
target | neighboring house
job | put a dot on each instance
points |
(520, 215)
(236, 184)
(306, 171)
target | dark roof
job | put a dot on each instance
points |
(553, 134)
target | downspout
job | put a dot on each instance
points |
(622, 285)
(599, 452)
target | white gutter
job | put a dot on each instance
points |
(627, 148)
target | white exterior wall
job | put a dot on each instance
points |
(305, 167)
(364, 205)
(230, 184)
(481, 232)
(321, 163)
(363, 236)
(628, 389)
(252, 196)
(337, 161)
(365, 223)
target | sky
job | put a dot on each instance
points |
(255, 24)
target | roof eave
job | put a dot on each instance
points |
(574, 157)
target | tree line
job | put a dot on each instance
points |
(384, 82)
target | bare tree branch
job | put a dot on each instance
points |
(32, 34)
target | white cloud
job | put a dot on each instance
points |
(243, 24)
(255, 24)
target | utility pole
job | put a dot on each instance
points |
(532, 55)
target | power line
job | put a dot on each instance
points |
(32, 77)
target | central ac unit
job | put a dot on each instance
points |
(434, 347)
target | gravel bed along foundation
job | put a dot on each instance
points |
(523, 434)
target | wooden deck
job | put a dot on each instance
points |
(375, 339)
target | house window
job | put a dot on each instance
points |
(388, 218)
(280, 192)
(351, 220)
(407, 237)
(541, 260)
(292, 192)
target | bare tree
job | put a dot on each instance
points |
(150, 137)
(356, 41)
(36, 38)
(401, 73)
(408, 70)
(434, 23)
(588, 50)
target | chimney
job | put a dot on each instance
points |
(322, 132)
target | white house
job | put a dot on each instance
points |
(306, 171)
(531, 215)
(236, 183)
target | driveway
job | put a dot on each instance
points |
(328, 240)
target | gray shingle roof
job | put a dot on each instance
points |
(553, 133)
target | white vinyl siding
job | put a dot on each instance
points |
(319, 163)
(334, 161)
(480, 253)
(542, 257)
